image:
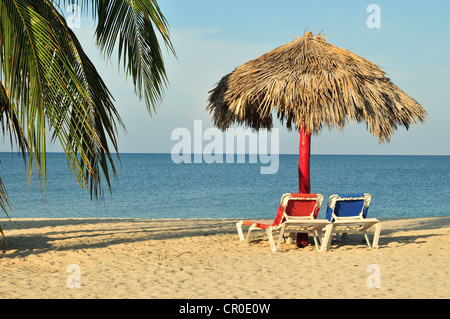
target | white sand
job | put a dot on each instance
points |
(135, 258)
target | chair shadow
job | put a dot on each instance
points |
(356, 240)
(26, 244)
(137, 231)
(385, 238)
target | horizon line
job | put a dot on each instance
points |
(246, 154)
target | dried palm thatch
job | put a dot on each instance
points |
(316, 82)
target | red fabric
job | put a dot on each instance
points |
(259, 225)
(276, 222)
(293, 208)
(279, 217)
(300, 208)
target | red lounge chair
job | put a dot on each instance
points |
(297, 213)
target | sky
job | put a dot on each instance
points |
(213, 37)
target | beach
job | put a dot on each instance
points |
(203, 258)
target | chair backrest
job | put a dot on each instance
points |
(298, 205)
(344, 206)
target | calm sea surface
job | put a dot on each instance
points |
(152, 186)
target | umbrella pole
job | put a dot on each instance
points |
(304, 182)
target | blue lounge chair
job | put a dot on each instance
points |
(348, 214)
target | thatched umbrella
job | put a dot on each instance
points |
(312, 83)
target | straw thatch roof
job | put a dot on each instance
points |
(312, 80)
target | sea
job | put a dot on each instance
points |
(153, 186)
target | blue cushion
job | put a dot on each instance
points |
(348, 208)
(329, 213)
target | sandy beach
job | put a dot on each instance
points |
(203, 258)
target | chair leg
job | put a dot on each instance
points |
(338, 238)
(290, 238)
(367, 238)
(248, 233)
(376, 235)
(239, 230)
(280, 238)
(319, 235)
(326, 241)
(271, 241)
(344, 237)
(316, 241)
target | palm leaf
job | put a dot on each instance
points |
(132, 27)
(54, 86)
(49, 85)
(10, 124)
(131, 23)
(4, 205)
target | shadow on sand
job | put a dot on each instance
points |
(44, 235)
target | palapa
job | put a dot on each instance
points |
(311, 83)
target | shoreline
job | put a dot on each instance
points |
(203, 258)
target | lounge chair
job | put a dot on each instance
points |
(296, 213)
(348, 213)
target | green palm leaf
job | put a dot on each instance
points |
(48, 83)
(131, 24)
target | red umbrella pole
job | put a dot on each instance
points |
(304, 182)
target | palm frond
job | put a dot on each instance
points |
(49, 85)
(132, 27)
(10, 122)
(5, 206)
(131, 23)
(55, 87)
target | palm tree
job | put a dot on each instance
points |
(48, 85)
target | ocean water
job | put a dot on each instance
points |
(153, 186)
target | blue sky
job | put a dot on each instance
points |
(213, 37)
